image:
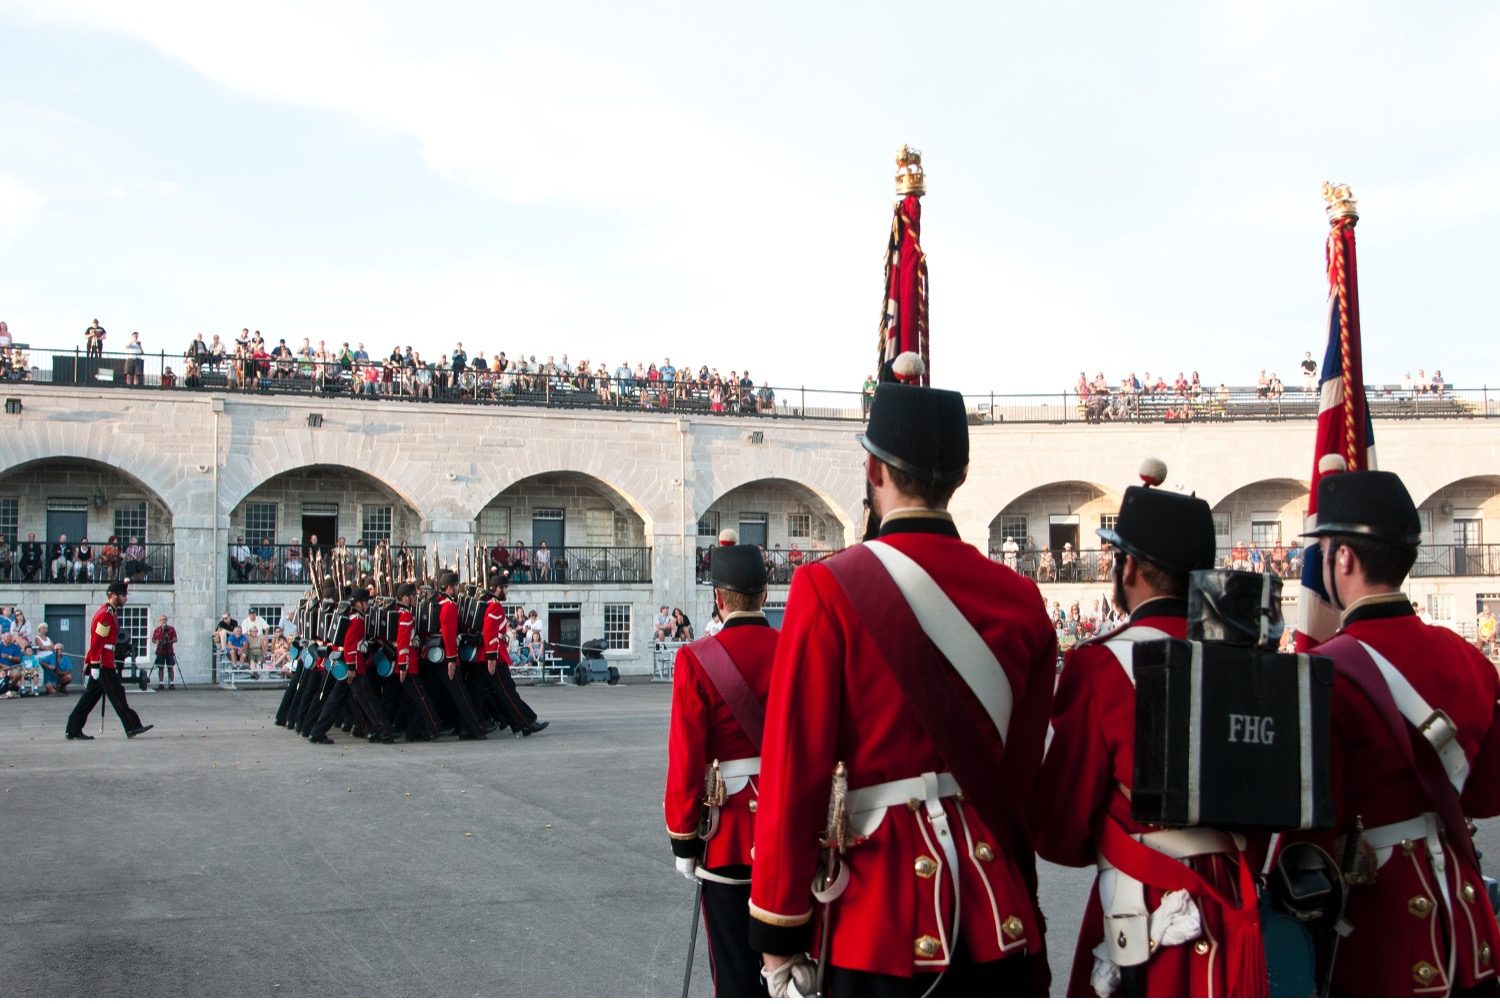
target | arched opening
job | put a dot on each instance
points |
(291, 524)
(1049, 532)
(1457, 536)
(1257, 526)
(566, 528)
(789, 520)
(70, 520)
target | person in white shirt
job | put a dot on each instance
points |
(239, 559)
(255, 637)
(1010, 549)
(287, 625)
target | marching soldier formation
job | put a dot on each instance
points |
(884, 772)
(420, 663)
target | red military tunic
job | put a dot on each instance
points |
(103, 630)
(1085, 778)
(1398, 924)
(448, 625)
(834, 699)
(354, 636)
(703, 730)
(494, 631)
(406, 661)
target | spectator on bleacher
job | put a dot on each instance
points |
(1309, 375)
(33, 557)
(536, 648)
(663, 625)
(47, 648)
(164, 644)
(543, 562)
(135, 364)
(1438, 385)
(1277, 388)
(265, 559)
(1010, 551)
(281, 653)
(500, 556)
(1262, 385)
(1195, 387)
(765, 402)
(287, 624)
(1257, 559)
(1046, 566)
(1069, 562)
(1486, 632)
(18, 626)
(682, 628)
(1239, 557)
(1278, 560)
(240, 560)
(83, 561)
(234, 647)
(254, 630)
(224, 629)
(136, 568)
(1293, 560)
(110, 559)
(715, 623)
(533, 623)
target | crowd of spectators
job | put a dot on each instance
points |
(32, 663)
(65, 561)
(14, 362)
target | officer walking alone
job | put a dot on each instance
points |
(99, 666)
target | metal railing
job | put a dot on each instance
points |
(1433, 561)
(580, 566)
(383, 380)
(295, 564)
(1452, 560)
(780, 563)
(151, 563)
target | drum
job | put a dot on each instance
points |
(433, 652)
(309, 657)
(427, 616)
(382, 662)
(337, 666)
(340, 624)
(468, 649)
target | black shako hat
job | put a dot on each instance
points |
(360, 596)
(447, 577)
(405, 589)
(1372, 504)
(117, 588)
(739, 567)
(921, 431)
(1172, 531)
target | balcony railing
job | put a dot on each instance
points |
(1433, 561)
(1448, 560)
(688, 395)
(580, 566)
(780, 564)
(153, 563)
(294, 564)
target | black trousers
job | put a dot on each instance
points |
(468, 719)
(106, 683)
(1017, 976)
(333, 708)
(364, 696)
(284, 709)
(514, 711)
(421, 720)
(305, 709)
(726, 922)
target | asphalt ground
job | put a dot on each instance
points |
(219, 855)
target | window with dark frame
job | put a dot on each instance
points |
(260, 521)
(130, 521)
(617, 626)
(375, 523)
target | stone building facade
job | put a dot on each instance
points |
(632, 497)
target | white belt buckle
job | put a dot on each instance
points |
(1439, 729)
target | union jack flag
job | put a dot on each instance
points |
(1344, 428)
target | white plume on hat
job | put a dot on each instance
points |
(1332, 463)
(908, 367)
(728, 537)
(1153, 472)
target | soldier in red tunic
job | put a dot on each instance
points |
(99, 665)
(421, 722)
(1149, 940)
(467, 723)
(510, 707)
(719, 689)
(908, 708)
(1416, 749)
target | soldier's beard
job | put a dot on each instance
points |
(872, 519)
(1117, 574)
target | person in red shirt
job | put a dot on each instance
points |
(509, 707)
(164, 638)
(719, 690)
(1083, 788)
(469, 724)
(1415, 749)
(934, 889)
(421, 722)
(99, 666)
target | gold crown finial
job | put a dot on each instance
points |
(1340, 201)
(909, 177)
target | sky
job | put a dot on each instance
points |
(1112, 187)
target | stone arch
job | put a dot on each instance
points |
(349, 489)
(1081, 504)
(1461, 528)
(573, 492)
(790, 516)
(97, 483)
(1262, 511)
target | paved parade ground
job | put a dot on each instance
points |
(221, 855)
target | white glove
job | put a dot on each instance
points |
(795, 978)
(687, 868)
